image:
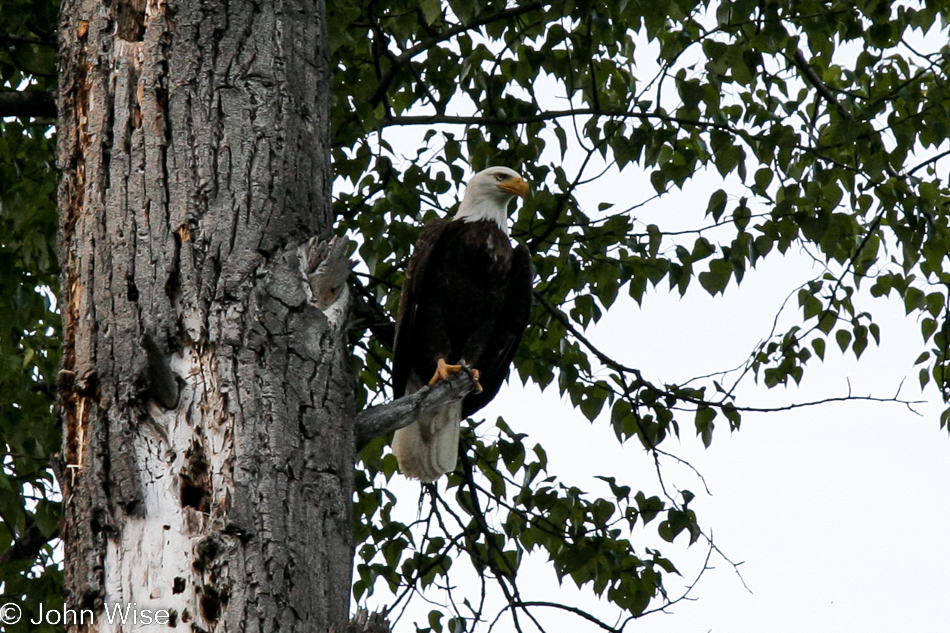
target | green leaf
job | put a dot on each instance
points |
(648, 508)
(717, 204)
(431, 10)
(704, 423)
(435, 620)
(843, 337)
(717, 278)
(927, 327)
(46, 516)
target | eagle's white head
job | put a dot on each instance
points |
(488, 194)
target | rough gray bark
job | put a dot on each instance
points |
(207, 401)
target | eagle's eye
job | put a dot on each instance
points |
(500, 177)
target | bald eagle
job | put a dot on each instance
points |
(465, 299)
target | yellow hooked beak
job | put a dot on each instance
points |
(515, 186)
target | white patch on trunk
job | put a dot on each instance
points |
(153, 557)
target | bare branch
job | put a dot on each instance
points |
(564, 607)
(657, 451)
(735, 566)
(930, 161)
(386, 418)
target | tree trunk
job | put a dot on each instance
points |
(206, 400)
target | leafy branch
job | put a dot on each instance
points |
(406, 56)
(30, 103)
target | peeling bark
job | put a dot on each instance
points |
(206, 398)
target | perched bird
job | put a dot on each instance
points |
(465, 299)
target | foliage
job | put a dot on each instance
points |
(29, 324)
(826, 121)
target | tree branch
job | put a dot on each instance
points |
(401, 412)
(13, 38)
(603, 358)
(930, 161)
(564, 607)
(641, 382)
(802, 64)
(30, 103)
(549, 115)
(28, 546)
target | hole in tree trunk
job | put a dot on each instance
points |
(195, 489)
(130, 20)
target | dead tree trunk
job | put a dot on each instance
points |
(207, 401)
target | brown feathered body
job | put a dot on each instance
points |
(466, 298)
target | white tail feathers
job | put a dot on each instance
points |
(429, 447)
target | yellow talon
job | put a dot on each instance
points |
(443, 371)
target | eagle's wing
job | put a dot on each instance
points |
(409, 302)
(501, 348)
